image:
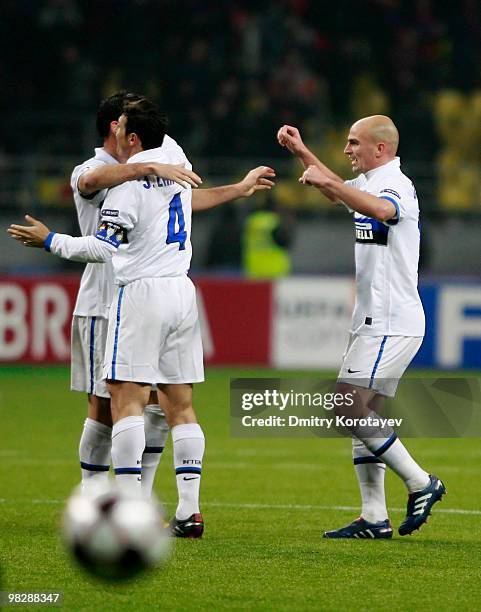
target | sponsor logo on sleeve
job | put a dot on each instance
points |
(107, 212)
(392, 192)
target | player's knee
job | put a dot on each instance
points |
(353, 401)
(179, 397)
(180, 411)
(100, 410)
(180, 407)
(128, 399)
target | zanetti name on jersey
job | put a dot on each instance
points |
(371, 231)
(156, 181)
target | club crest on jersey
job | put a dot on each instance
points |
(112, 233)
(371, 231)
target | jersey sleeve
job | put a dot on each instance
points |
(120, 207)
(85, 248)
(118, 215)
(392, 194)
(94, 199)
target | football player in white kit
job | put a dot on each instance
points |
(388, 320)
(154, 335)
(89, 183)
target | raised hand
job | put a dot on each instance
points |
(256, 180)
(314, 176)
(289, 136)
(33, 235)
(176, 173)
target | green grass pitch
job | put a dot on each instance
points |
(265, 502)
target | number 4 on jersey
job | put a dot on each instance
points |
(176, 214)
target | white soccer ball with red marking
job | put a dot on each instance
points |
(114, 535)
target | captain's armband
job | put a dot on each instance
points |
(112, 233)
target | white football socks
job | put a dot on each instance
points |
(156, 432)
(370, 472)
(94, 452)
(128, 443)
(394, 454)
(188, 443)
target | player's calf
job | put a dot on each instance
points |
(188, 446)
(128, 434)
(94, 452)
(156, 432)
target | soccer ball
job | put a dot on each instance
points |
(113, 535)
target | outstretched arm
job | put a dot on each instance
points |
(111, 175)
(257, 179)
(289, 136)
(360, 201)
(85, 248)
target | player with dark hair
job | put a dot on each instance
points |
(144, 119)
(388, 320)
(153, 332)
(112, 107)
(89, 183)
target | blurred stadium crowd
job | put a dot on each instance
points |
(230, 73)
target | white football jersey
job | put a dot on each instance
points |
(387, 255)
(97, 284)
(149, 220)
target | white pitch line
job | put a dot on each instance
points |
(315, 507)
(262, 506)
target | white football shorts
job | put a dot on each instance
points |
(154, 333)
(89, 337)
(378, 362)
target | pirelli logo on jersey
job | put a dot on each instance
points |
(112, 233)
(371, 231)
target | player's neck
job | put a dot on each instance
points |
(374, 167)
(137, 148)
(110, 145)
(381, 162)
